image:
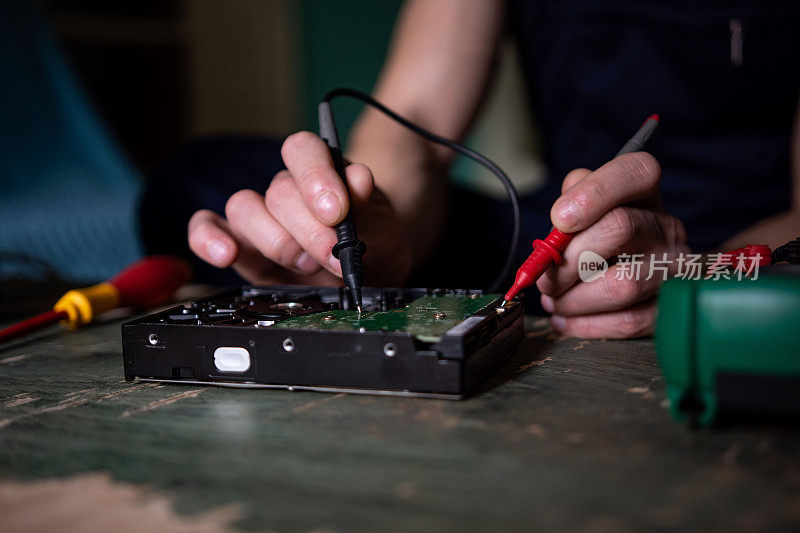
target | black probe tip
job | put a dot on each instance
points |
(352, 271)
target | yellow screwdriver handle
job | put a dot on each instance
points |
(82, 305)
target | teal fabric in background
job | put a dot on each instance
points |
(69, 195)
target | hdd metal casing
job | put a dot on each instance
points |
(426, 342)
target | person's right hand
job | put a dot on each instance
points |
(286, 235)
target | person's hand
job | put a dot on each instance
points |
(617, 210)
(286, 235)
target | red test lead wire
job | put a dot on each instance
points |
(546, 253)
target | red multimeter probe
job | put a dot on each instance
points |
(549, 251)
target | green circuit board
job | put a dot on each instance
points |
(428, 317)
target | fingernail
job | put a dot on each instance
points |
(217, 251)
(558, 323)
(305, 263)
(328, 207)
(567, 213)
(547, 303)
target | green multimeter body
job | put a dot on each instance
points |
(731, 345)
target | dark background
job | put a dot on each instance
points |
(143, 63)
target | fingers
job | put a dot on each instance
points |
(248, 217)
(573, 177)
(210, 239)
(614, 305)
(280, 229)
(309, 161)
(635, 321)
(273, 230)
(284, 202)
(616, 289)
(621, 230)
(627, 178)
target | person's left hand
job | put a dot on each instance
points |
(617, 210)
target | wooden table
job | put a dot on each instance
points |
(569, 435)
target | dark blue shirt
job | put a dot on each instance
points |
(724, 77)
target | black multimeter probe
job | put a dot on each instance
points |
(349, 248)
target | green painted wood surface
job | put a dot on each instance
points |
(570, 435)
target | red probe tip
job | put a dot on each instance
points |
(512, 292)
(545, 253)
(655, 117)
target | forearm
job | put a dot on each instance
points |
(438, 68)
(409, 172)
(773, 231)
(784, 227)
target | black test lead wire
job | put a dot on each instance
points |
(456, 147)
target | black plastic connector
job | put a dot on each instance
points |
(789, 253)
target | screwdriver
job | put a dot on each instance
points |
(348, 248)
(146, 283)
(549, 251)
